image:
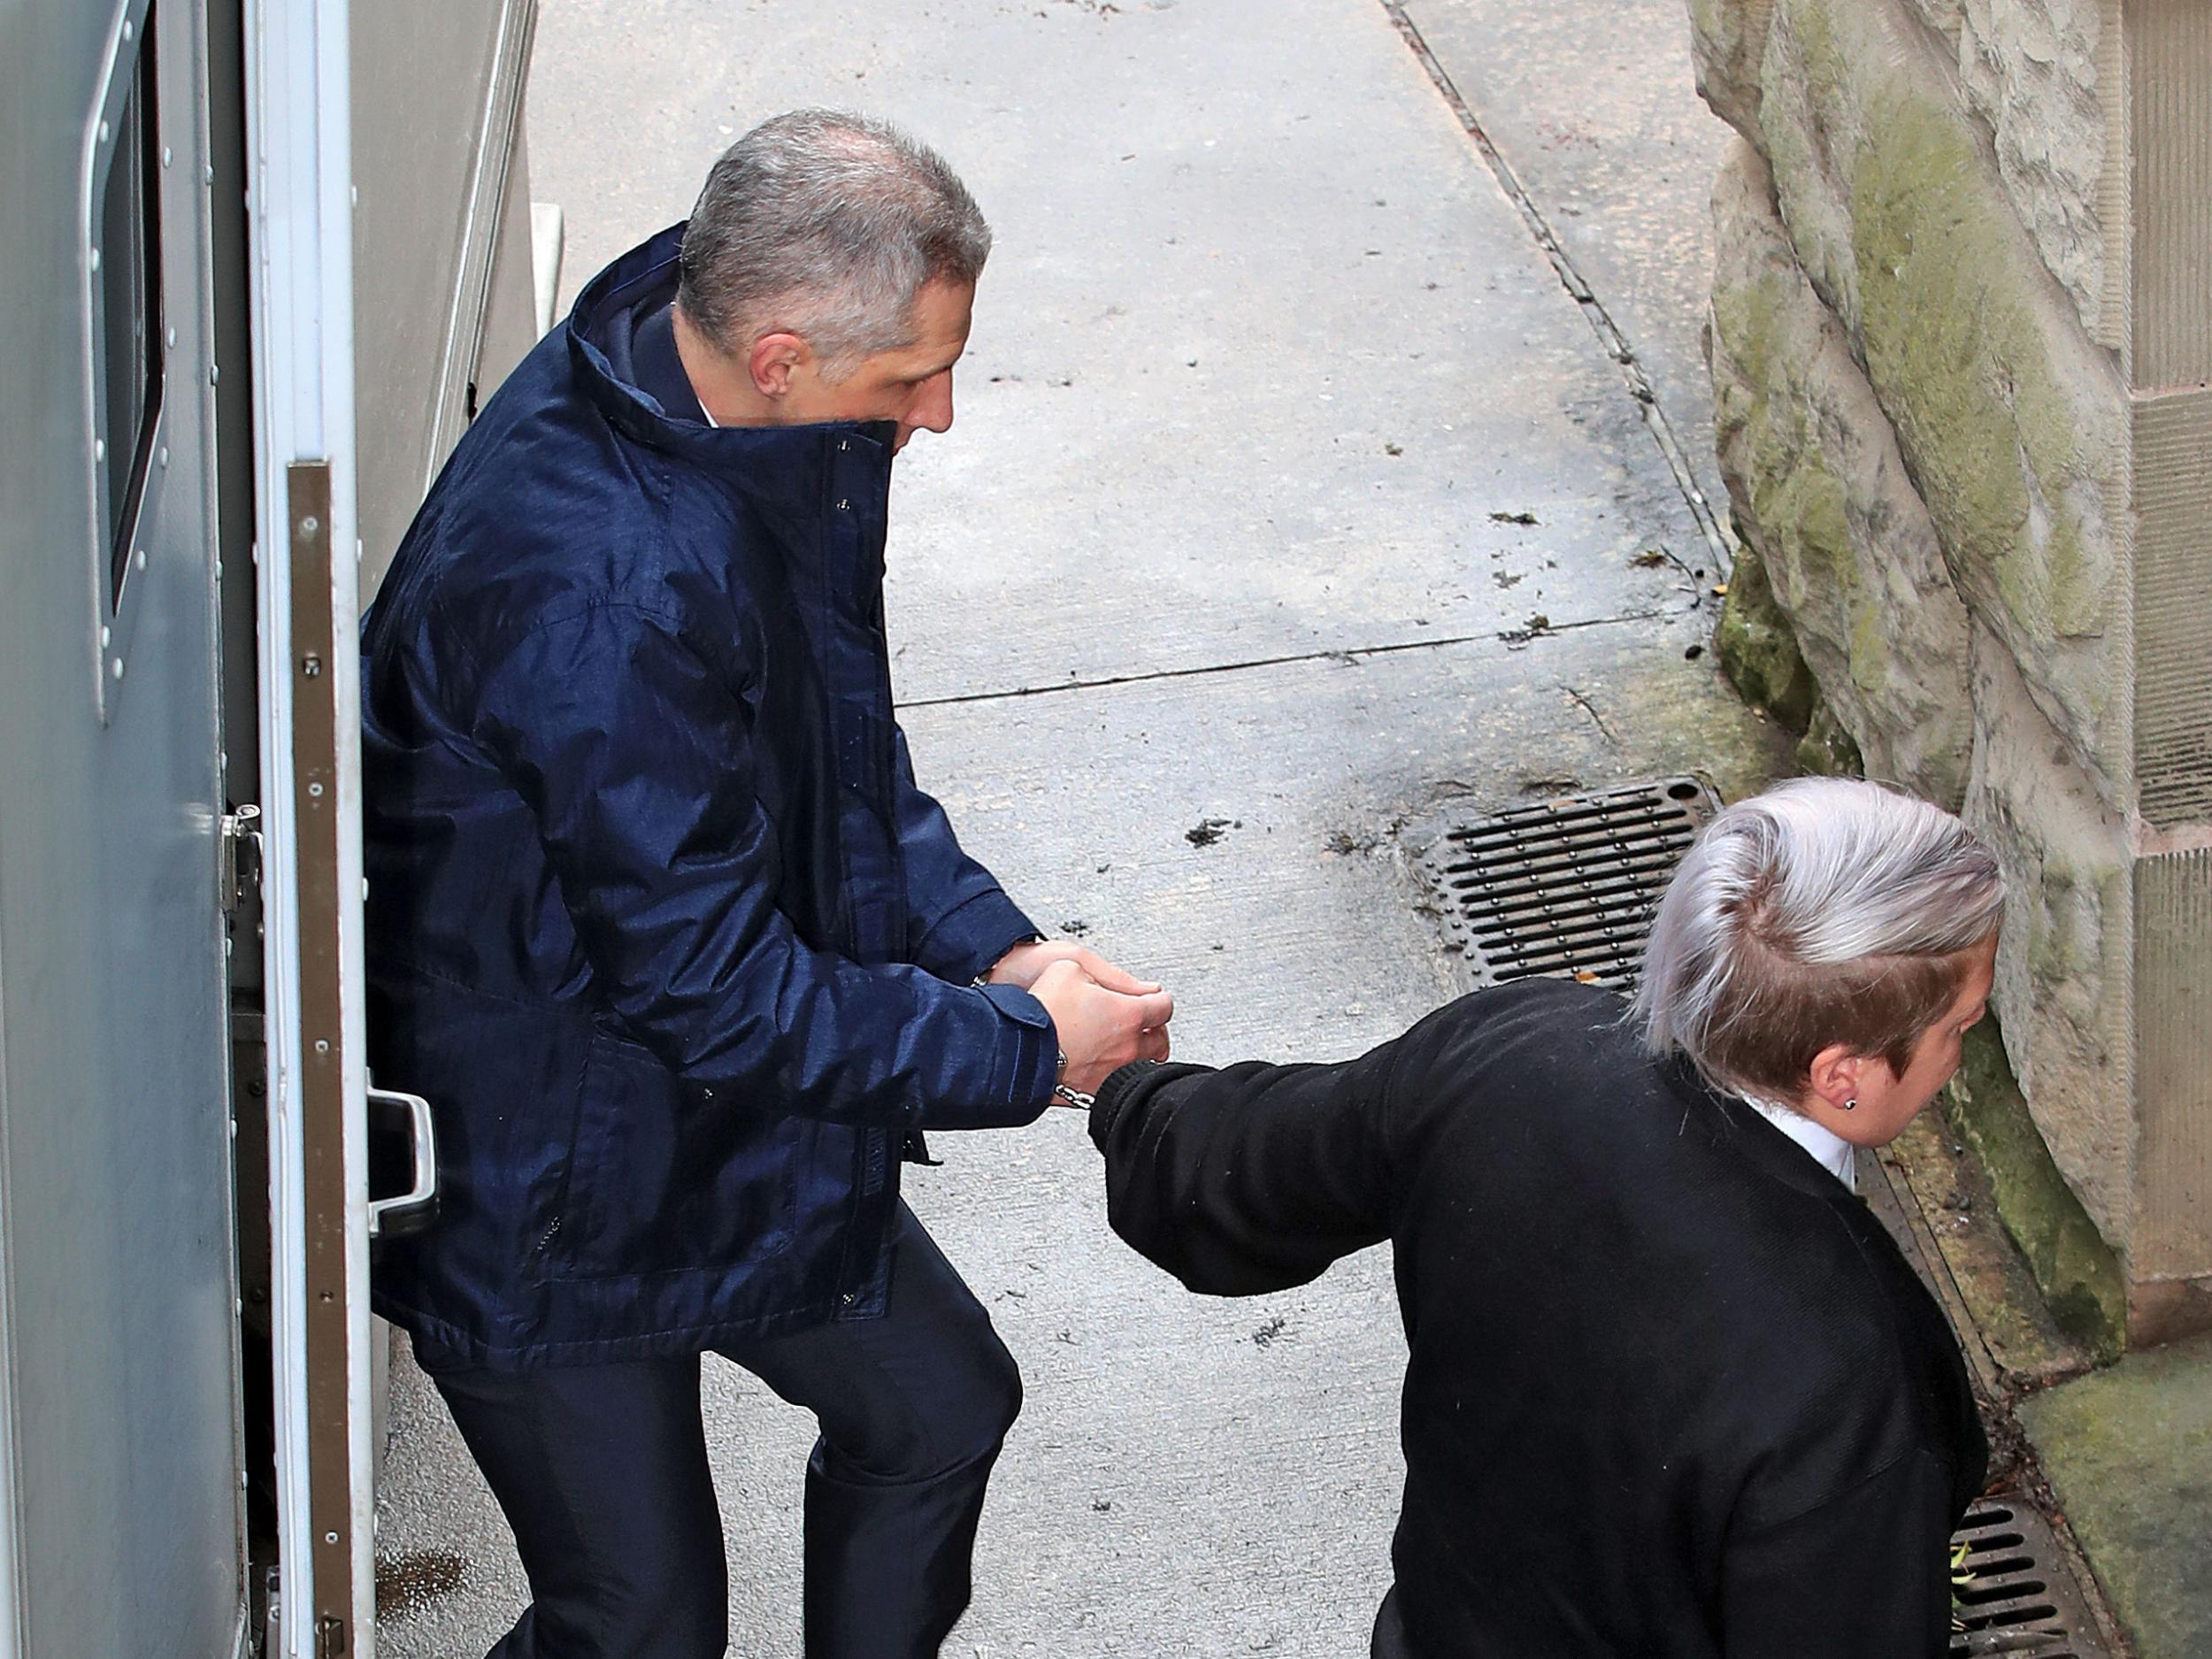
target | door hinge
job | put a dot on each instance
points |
(241, 855)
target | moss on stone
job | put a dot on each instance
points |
(1795, 148)
(1828, 747)
(2077, 1270)
(1799, 502)
(1747, 317)
(1758, 650)
(2129, 1453)
(1958, 359)
(1871, 665)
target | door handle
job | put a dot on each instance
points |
(415, 1208)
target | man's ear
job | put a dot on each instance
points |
(774, 360)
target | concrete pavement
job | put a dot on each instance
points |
(1268, 373)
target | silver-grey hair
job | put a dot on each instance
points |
(1825, 911)
(825, 225)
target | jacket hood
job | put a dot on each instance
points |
(779, 463)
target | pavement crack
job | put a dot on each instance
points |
(1338, 654)
(1593, 309)
(1590, 709)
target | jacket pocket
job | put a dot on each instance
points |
(663, 1177)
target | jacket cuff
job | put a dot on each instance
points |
(1120, 1086)
(969, 938)
(1025, 1068)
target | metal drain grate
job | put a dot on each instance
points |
(1564, 886)
(2021, 1599)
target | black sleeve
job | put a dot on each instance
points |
(1867, 1573)
(1248, 1179)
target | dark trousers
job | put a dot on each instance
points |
(602, 1471)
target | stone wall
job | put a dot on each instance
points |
(1944, 297)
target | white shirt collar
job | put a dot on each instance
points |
(1830, 1150)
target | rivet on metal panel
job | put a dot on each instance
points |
(164, 155)
(844, 506)
(309, 524)
(322, 1045)
(311, 665)
(165, 455)
(96, 259)
(172, 338)
(116, 668)
(313, 789)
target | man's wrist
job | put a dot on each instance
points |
(999, 961)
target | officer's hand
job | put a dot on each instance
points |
(1100, 1030)
(1023, 963)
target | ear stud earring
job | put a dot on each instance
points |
(1851, 1105)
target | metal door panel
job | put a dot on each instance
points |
(437, 110)
(119, 1406)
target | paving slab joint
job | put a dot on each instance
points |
(1718, 535)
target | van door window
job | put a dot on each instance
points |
(129, 341)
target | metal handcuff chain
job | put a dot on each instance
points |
(1074, 1097)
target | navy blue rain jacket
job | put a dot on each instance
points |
(657, 918)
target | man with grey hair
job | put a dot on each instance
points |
(661, 922)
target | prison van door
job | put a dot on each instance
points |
(120, 1499)
(301, 265)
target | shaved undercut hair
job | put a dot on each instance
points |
(1825, 911)
(825, 225)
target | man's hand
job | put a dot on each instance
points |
(1100, 1030)
(1024, 964)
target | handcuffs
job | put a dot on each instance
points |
(1074, 1097)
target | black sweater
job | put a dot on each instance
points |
(1673, 1391)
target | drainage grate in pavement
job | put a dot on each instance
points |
(1564, 886)
(2021, 1598)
